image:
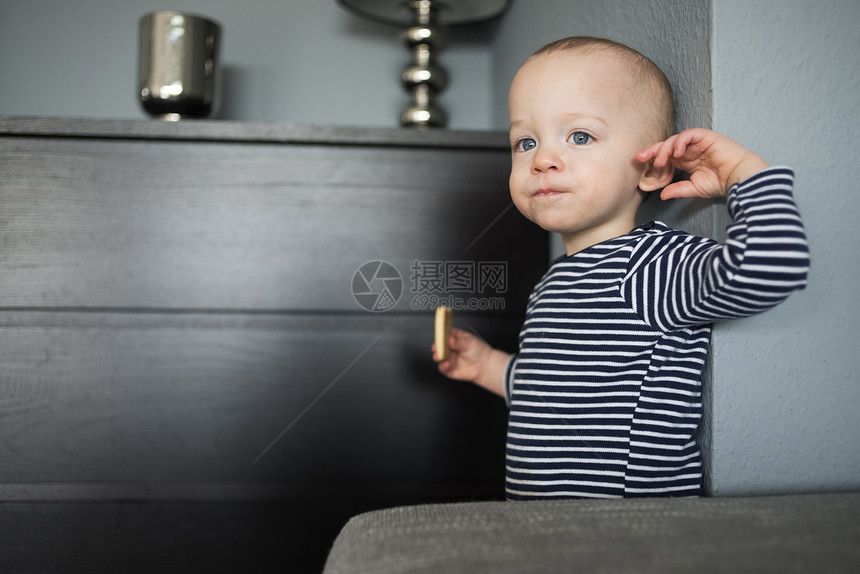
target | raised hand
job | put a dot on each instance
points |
(715, 162)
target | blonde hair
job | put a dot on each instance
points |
(646, 73)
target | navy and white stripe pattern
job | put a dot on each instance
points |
(605, 392)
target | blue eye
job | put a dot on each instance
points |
(579, 138)
(525, 144)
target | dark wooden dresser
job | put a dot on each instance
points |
(190, 379)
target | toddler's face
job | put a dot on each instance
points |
(577, 122)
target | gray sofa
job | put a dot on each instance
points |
(797, 533)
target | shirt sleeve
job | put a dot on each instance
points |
(509, 378)
(678, 280)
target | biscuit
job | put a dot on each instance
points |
(444, 321)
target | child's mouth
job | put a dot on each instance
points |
(547, 193)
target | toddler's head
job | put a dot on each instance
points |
(650, 85)
(580, 109)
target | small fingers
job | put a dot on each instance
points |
(456, 342)
(646, 155)
(684, 140)
(678, 189)
(659, 153)
(433, 349)
(455, 338)
(674, 147)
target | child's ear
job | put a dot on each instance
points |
(654, 178)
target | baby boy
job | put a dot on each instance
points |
(605, 390)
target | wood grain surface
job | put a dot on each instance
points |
(131, 224)
(183, 362)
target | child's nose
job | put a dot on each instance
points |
(546, 158)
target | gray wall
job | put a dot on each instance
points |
(781, 76)
(786, 384)
(286, 61)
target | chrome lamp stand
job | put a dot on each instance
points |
(424, 34)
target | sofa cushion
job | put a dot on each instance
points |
(796, 533)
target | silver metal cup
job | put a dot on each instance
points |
(178, 64)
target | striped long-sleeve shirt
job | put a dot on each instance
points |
(605, 392)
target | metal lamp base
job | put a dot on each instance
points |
(424, 35)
